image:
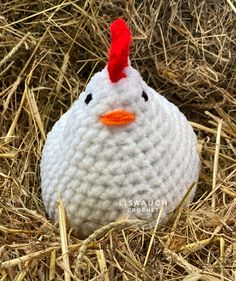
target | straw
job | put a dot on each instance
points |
(48, 52)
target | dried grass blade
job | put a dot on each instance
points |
(29, 257)
(193, 247)
(153, 236)
(14, 49)
(11, 92)
(7, 230)
(62, 72)
(208, 130)
(216, 162)
(64, 243)
(15, 120)
(102, 264)
(7, 155)
(34, 111)
(52, 265)
(232, 5)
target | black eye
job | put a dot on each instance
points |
(88, 98)
(145, 96)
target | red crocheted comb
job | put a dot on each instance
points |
(119, 51)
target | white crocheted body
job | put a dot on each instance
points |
(98, 171)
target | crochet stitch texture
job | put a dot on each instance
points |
(100, 171)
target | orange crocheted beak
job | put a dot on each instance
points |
(117, 118)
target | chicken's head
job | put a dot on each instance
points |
(117, 95)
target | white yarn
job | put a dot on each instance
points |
(100, 172)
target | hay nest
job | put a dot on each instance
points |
(48, 51)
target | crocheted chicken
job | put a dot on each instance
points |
(121, 150)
